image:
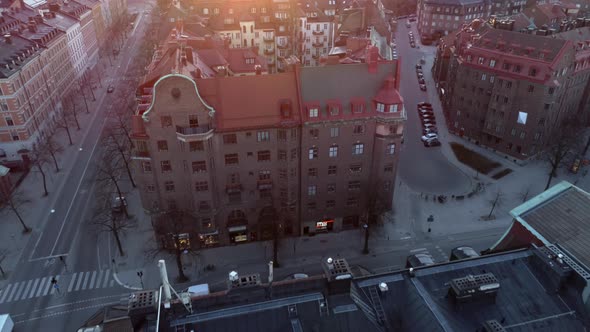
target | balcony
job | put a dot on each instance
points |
(318, 32)
(268, 39)
(283, 46)
(269, 51)
(264, 184)
(191, 134)
(317, 44)
(233, 188)
(316, 56)
(140, 154)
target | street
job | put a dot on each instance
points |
(84, 276)
(422, 169)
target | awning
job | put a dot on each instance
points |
(209, 234)
(237, 229)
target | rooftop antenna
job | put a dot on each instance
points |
(184, 298)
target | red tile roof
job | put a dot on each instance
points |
(388, 94)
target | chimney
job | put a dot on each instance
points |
(32, 27)
(258, 69)
(372, 58)
(183, 59)
(189, 54)
(53, 7)
(7, 38)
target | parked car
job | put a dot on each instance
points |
(429, 131)
(413, 45)
(424, 104)
(423, 87)
(418, 260)
(428, 117)
(421, 80)
(430, 126)
(110, 89)
(408, 25)
(428, 137)
(463, 253)
(428, 121)
(425, 111)
(432, 142)
(418, 66)
(117, 204)
(419, 71)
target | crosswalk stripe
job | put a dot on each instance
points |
(19, 291)
(91, 285)
(112, 283)
(80, 280)
(52, 288)
(16, 286)
(46, 287)
(40, 289)
(86, 278)
(107, 275)
(34, 288)
(4, 292)
(25, 290)
(99, 279)
(71, 286)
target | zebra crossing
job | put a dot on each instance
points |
(79, 281)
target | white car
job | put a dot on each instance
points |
(429, 137)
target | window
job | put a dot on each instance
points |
(193, 121)
(533, 72)
(333, 151)
(484, 77)
(522, 135)
(146, 166)
(204, 206)
(201, 186)
(358, 148)
(358, 107)
(166, 121)
(513, 132)
(334, 110)
(380, 107)
(517, 69)
(313, 153)
(508, 85)
(388, 168)
(263, 136)
(232, 159)
(547, 106)
(355, 168)
(264, 175)
(311, 190)
(531, 88)
(492, 63)
(314, 133)
(391, 148)
(169, 186)
(150, 188)
(330, 204)
(230, 139)
(352, 202)
(199, 166)
(311, 206)
(166, 166)
(359, 129)
(480, 60)
(196, 146)
(9, 121)
(521, 118)
(393, 108)
(551, 90)
(235, 197)
(334, 131)
(162, 145)
(282, 135)
(541, 121)
(312, 172)
(282, 174)
(492, 78)
(293, 153)
(387, 185)
(354, 185)
(332, 170)
(313, 112)
(282, 155)
(264, 155)
(331, 188)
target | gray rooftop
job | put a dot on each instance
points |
(561, 216)
(455, 2)
(9, 52)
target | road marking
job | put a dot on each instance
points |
(112, 283)
(4, 292)
(418, 250)
(86, 278)
(34, 288)
(40, 289)
(46, 258)
(91, 285)
(51, 286)
(80, 182)
(406, 238)
(17, 285)
(71, 285)
(25, 291)
(106, 278)
(80, 277)
(20, 289)
(98, 279)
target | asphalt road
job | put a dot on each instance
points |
(84, 279)
(422, 169)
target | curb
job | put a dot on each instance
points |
(116, 277)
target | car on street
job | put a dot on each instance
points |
(110, 89)
(463, 252)
(423, 87)
(430, 126)
(428, 121)
(431, 143)
(421, 80)
(428, 117)
(418, 260)
(408, 25)
(117, 204)
(424, 104)
(429, 131)
(419, 71)
(413, 45)
(428, 137)
(418, 66)
(425, 111)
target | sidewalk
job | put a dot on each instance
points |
(37, 210)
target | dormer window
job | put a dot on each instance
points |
(380, 107)
(286, 109)
(533, 72)
(334, 110)
(313, 112)
(393, 108)
(250, 61)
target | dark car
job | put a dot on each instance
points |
(428, 117)
(418, 260)
(428, 122)
(423, 87)
(413, 45)
(421, 80)
(463, 253)
(432, 142)
(424, 104)
(418, 66)
(419, 71)
(117, 204)
(425, 111)
(110, 89)
(431, 130)
(430, 126)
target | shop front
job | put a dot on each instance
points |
(238, 234)
(324, 225)
(210, 239)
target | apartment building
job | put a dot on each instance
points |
(84, 15)
(98, 21)
(508, 90)
(301, 151)
(436, 18)
(315, 34)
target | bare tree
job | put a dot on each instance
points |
(64, 123)
(106, 219)
(39, 157)
(121, 125)
(524, 194)
(53, 148)
(496, 202)
(117, 146)
(109, 174)
(3, 255)
(561, 147)
(14, 201)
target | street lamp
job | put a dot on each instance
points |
(366, 248)
(140, 275)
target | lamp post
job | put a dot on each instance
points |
(140, 275)
(366, 248)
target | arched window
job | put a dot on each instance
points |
(251, 29)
